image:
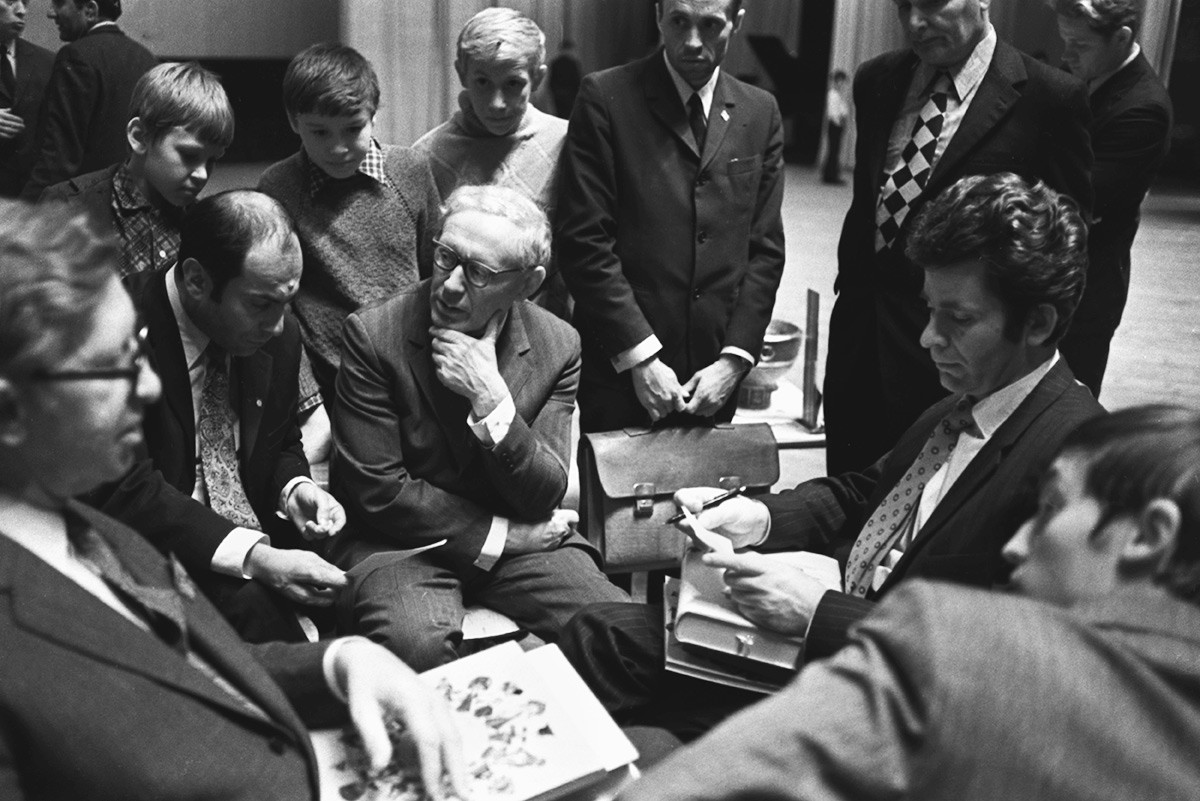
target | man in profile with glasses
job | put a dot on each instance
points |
(453, 422)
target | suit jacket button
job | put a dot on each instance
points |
(696, 293)
(702, 237)
(277, 745)
(702, 179)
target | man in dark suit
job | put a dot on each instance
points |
(669, 231)
(1004, 267)
(81, 127)
(24, 71)
(1078, 686)
(225, 431)
(968, 104)
(117, 679)
(1131, 131)
(453, 422)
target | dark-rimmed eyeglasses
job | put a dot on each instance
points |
(130, 373)
(478, 274)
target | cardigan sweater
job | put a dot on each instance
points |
(362, 241)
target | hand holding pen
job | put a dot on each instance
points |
(742, 520)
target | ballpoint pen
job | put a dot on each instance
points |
(713, 501)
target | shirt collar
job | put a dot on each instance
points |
(126, 192)
(41, 531)
(1098, 81)
(371, 166)
(967, 75)
(194, 340)
(685, 89)
(991, 412)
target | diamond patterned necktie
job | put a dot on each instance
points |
(896, 513)
(160, 607)
(697, 121)
(902, 187)
(218, 454)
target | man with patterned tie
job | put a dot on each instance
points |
(669, 230)
(226, 432)
(958, 102)
(117, 679)
(1004, 263)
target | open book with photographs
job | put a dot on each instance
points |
(531, 730)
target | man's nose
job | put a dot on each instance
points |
(147, 387)
(1016, 549)
(930, 336)
(456, 281)
(693, 40)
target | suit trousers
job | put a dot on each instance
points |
(414, 606)
(619, 652)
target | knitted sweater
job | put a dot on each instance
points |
(462, 152)
(362, 241)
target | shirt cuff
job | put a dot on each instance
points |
(281, 512)
(637, 354)
(741, 354)
(230, 557)
(493, 546)
(328, 664)
(492, 429)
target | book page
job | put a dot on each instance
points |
(518, 736)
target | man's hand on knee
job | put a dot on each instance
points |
(545, 535)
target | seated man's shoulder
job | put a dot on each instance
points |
(547, 326)
(395, 311)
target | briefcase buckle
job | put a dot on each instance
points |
(643, 500)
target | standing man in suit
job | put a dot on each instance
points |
(24, 71)
(1131, 131)
(1083, 688)
(453, 422)
(1004, 265)
(669, 231)
(225, 431)
(117, 679)
(82, 124)
(959, 102)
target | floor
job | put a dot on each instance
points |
(1155, 355)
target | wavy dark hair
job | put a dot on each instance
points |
(1031, 239)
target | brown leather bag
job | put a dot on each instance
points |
(627, 478)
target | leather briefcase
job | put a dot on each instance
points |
(627, 478)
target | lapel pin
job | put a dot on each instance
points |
(725, 114)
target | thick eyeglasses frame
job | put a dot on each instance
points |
(130, 373)
(478, 274)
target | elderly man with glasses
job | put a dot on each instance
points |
(453, 422)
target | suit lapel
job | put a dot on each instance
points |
(889, 97)
(512, 352)
(988, 460)
(254, 380)
(450, 409)
(169, 360)
(664, 103)
(997, 93)
(59, 610)
(721, 114)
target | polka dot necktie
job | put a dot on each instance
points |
(902, 187)
(896, 513)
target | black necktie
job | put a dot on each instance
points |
(160, 607)
(697, 120)
(8, 79)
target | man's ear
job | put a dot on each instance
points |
(1123, 36)
(91, 12)
(536, 77)
(1040, 324)
(12, 417)
(1157, 533)
(137, 136)
(294, 123)
(533, 279)
(197, 283)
